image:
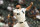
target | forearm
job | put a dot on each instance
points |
(28, 8)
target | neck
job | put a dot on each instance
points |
(19, 8)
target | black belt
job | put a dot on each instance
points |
(20, 22)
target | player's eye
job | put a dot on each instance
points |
(18, 13)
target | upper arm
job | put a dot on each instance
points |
(14, 11)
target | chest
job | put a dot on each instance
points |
(19, 12)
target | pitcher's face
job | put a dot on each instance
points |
(18, 6)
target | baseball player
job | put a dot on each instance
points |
(20, 15)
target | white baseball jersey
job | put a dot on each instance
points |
(20, 14)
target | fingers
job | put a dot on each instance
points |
(31, 3)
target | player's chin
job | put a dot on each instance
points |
(17, 8)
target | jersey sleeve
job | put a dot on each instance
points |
(14, 11)
(14, 14)
(24, 9)
(14, 17)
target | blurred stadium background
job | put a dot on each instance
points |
(32, 21)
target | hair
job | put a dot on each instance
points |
(18, 4)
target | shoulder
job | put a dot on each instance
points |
(23, 9)
(14, 10)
